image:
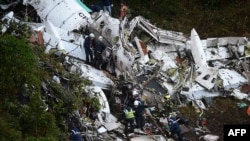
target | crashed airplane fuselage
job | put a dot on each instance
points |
(160, 61)
(191, 67)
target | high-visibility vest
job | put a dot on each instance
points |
(129, 114)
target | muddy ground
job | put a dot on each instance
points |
(222, 111)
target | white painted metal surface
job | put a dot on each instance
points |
(51, 29)
(98, 77)
(8, 17)
(207, 77)
(149, 138)
(231, 79)
(66, 14)
(197, 49)
(96, 91)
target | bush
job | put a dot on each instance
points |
(18, 65)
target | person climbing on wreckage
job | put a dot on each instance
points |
(89, 44)
(168, 105)
(108, 60)
(75, 134)
(107, 6)
(129, 119)
(98, 50)
(139, 109)
(174, 127)
(95, 8)
(123, 10)
(133, 94)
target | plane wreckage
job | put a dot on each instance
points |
(153, 61)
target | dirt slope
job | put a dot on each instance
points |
(223, 111)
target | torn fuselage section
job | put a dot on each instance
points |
(202, 66)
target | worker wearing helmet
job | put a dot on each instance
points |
(99, 48)
(89, 44)
(128, 113)
(175, 128)
(168, 105)
(139, 109)
(135, 95)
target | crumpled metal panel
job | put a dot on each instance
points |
(231, 79)
(207, 77)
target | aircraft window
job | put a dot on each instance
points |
(213, 52)
(213, 80)
(102, 24)
(199, 73)
(206, 77)
(185, 89)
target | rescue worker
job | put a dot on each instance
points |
(75, 134)
(108, 60)
(123, 10)
(132, 96)
(107, 4)
(175, 128)
(168, 105)
(95, 8)
(89, 44)
(99, 48)
(139, 109)
(129, 120)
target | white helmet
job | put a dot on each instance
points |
(91, 35)
(135, 92)
(100, 38)
(136, 103)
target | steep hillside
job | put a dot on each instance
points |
(214, 18)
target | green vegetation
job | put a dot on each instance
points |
(27, 111)
(24, 66)
(211, 18)
(22, 112)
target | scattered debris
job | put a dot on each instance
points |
(152, 62)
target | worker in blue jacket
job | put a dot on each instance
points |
(75, 134)
(107, 4)
(98, 50)
(89, 45)
(139, 109)
(175, 127)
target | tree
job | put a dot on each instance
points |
(18, 73)
(18, 65)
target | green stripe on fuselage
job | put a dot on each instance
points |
(84, 6)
